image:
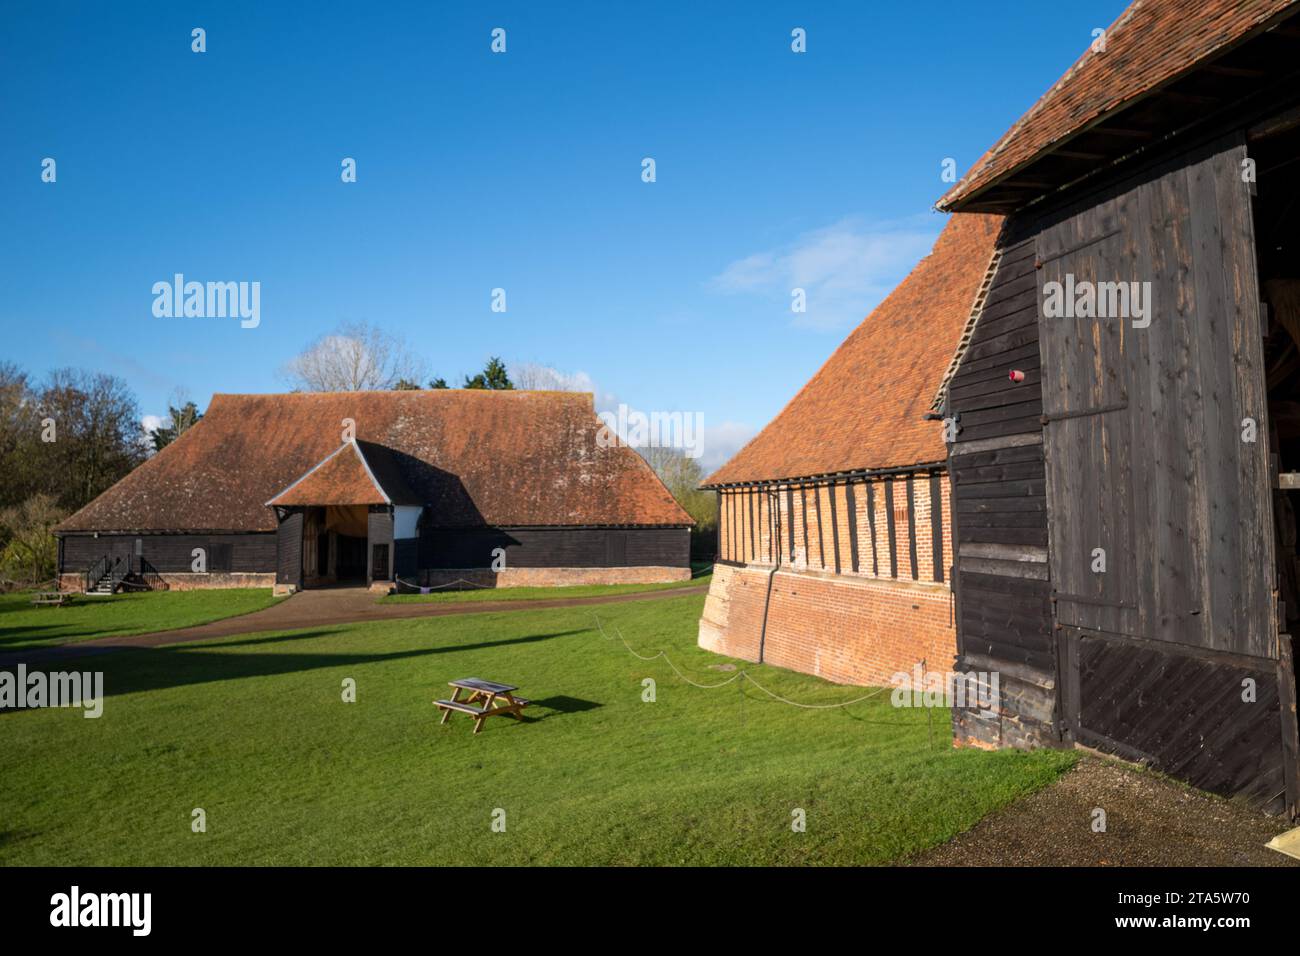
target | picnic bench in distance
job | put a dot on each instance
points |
(52, 598)
(482, 701)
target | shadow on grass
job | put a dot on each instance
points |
(558, 706)
(137, 669)
(12, 635)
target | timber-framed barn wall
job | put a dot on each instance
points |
(1116, 560)
(843, 576)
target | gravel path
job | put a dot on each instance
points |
(323, 607)
(1150, 821)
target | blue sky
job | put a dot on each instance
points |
(477, 171)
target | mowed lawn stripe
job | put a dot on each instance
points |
(253, 730)
(119, 615)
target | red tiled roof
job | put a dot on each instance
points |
(343, 478)
(516, 458)
(1151, 43)
(865, 408)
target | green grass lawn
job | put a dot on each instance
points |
(118, 615)
(537, 594)
(253, 730)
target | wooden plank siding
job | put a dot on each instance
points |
(251, 552)
(999, 503)
(288, 568)
(1125, 442)
(259, 552)
(1143, 440)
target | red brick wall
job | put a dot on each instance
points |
(845, 629)
(851, 627)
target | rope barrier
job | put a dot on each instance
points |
(739, 675)
(427, 588)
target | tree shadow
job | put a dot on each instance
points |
(136, 669)
(12, 635)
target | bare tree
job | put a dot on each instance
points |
(682, 476)
(356, 357)
(532, 377)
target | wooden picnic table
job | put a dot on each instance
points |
(52, 598)
(482, 701)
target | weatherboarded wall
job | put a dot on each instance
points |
(247, 553)
(1004, 595)
(534, 557)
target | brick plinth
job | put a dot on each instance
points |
(846, 629)
(552, 577)
(177, 581)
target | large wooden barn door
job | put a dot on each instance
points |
(1087, 433)
(1145, 413)
(1160, 521)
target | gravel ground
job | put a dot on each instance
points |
(1150, 821)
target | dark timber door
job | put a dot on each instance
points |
(1143, 434)
(1087, 436)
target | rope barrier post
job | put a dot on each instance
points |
(929, 711)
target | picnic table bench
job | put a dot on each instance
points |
(483, 700)
(52, 598)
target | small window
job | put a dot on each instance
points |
(220, 556)
(380, 563)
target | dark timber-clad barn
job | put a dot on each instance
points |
(421, 488)
(1125, 473)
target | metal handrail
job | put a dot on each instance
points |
(149, 574)
(95, 572)
(118, 574)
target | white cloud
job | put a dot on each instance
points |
(147, 424)
(845, 269)
(721, 442)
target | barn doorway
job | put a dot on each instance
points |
(334, 546)
(1276, 215)
(1277, 243)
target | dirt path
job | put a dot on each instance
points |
(316, 608)
(1150, 821)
